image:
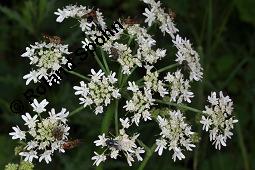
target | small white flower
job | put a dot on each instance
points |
(150, 16)
(132, 87)
(161, 145)
(39, 107)
(99, 109)
(30, 122)
(29, 156)
(18, 134)
(206, 123)
(98, 158)
(31, 76)
(46, 156)
(102, 140)
(125, 123)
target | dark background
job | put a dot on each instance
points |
(223, 33)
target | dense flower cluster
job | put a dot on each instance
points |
(175, 135)
(151, 81)
(81, 13)
(129, 48)
(99, 91)
(156, 13)
(188, 57)
(122, 143)
(140, 103)
(218, 120)
(47, 58)
(179, 88)
(43, 136)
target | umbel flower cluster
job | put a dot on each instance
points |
(160, 96)
(43, 136)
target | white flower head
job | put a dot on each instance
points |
(120, 144)
(43, 136)
(100, 91)
(218, 120)
(46, 59)
(175, 135)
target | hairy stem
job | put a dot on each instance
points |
(149, 153)
(104, 60)
(116, 117)
(168, 67)
(77, 74)
(182, 106)
(99, 62)
(76, 111)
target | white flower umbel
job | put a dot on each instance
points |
(175, 135)
(151, 81)
(145, 53)
(45, 59)
(124, 57)
(188, 57)
(82, 13)
(179, 88)
(43, 136)
(117, 146)
(218, 120)
(99, 91)
(156, 13)
(140, 103)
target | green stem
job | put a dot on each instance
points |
(105, 62)
(99, 62)
(116, 117)
(149, 153)
(77, 74)
(167, 67)
(242, 147)
(182, 106)
(76, 111)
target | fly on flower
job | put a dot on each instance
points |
(52, 39)
(130, 21)
(70, 144)
(91, 16)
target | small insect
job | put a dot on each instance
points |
(91, 16)
(130, 21)
(172, 14)
(52, 39)
(114, 53)
(186, 69)
(58, 132)
(112, 143)
(70, 144)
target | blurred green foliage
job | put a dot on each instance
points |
(221, 30)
